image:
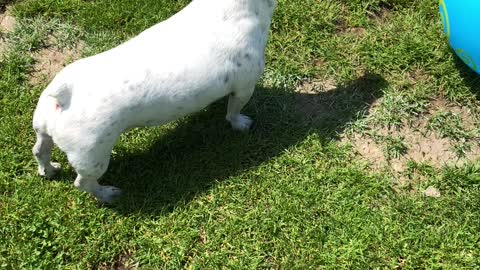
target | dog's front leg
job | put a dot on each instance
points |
(105, 194)
(236, 102)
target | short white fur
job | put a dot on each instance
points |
(210, 49)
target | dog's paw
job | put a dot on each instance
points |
(241, 122)
(107, 194)
(51, 171)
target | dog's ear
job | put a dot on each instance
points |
(63, 95)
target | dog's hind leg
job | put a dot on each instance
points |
(236, 102)
(42, 150)
(90, 165)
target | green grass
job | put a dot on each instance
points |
(287, 195)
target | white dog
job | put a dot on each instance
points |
(210, 49)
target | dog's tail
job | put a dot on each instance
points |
(62, 93)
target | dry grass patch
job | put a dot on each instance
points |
(50, 60)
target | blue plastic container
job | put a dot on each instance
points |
(461, 23)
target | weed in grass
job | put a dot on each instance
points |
(37, 33)
(421, 168)
(449, 125)
(29, 35)
(399, 109)
(394, 147)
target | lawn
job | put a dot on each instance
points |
(365, 152)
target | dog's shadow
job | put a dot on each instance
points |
(202, 150)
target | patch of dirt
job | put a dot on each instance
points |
(432, 192)
(316, 86)
(343, 28)
(123, 262)
(318, 62)
(382, 14)
(418, 75)
(49, 61)
(325, 104)
(7, 23)
(309, 102)
(423, 146)
(352, 31)
(358, 31)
